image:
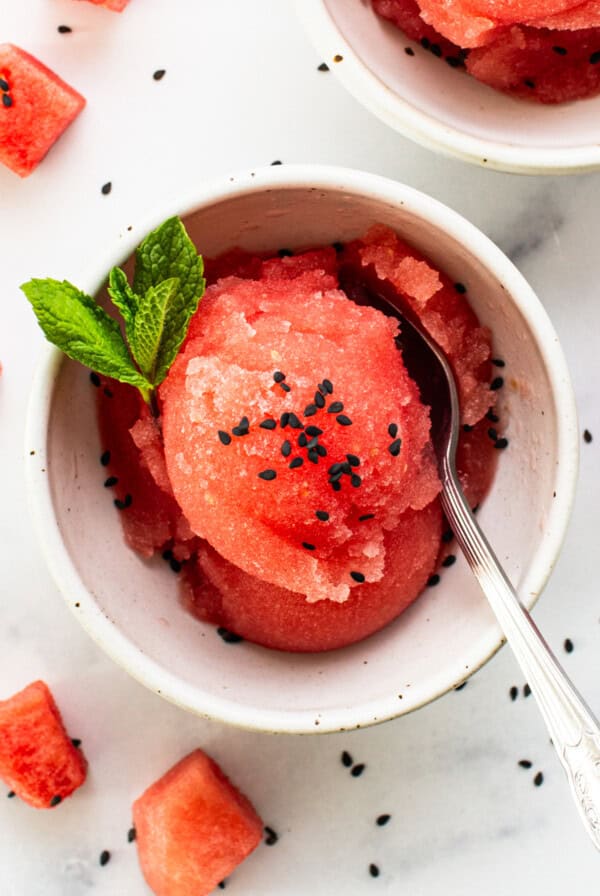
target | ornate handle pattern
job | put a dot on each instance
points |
(574, 731)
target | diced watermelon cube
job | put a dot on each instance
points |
(35, 108)
(37, 759)
(193, 827)
(115, 5)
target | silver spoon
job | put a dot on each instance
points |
(574, 731)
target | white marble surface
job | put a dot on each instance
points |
(242, 89)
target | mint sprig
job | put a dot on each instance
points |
(156, 311)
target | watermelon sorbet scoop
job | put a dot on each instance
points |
(292, 463)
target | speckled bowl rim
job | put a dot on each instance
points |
(80, 600)
(425, 129)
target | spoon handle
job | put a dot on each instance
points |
(574, 731)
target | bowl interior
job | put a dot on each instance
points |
(395, 84)
(131, 605)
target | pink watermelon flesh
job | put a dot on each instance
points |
(37, 759)
(193, 828)
(241, 322)
(114, 5)
(41, 107)
(534, 63)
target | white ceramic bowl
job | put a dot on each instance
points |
(130, 606)
(445, 109)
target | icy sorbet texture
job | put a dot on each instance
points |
(291, 474)
(544, 50)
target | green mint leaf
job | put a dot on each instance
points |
(165, 253)
(123, 297)
(82, 330)
(156, 330)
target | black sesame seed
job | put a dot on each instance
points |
(308, 546)
(295, 422)
(513, 693)
(323, 67)
(395, 447)
(460, 288)
(409, 51)
(526, 690)
(382, 820)
(493, 418)
(104, 857)
(55, 801)
(357, 576)
(62, 29)
(393, 430)
(310, 410)
(347, 759)
(302, 440)
(433, 580)
(562, 51)
(528, 82)
(436, 50)
(297, 462)
(498, 362)
(106, 188)
(467, 427)
(268, 424)
(321, 450)
(285, 253)
(358, 770)
(447, 536)
(343, 420)
(175, 564)
(4, 85)
(124, 504)
(373, 870)
(366, 516)
(319, 400)
(313, 431)
(228, 637)
(272, 837)
(353, 460)
(450, 560)
(95, 380)
(131, 835)
(501, 444)
(11, 794)
(286, 448)
(328, 386)
(568, 645)
(595, 58)
(355, 481)
(267, 475)
(6, 100)
(587, 436)
(496, 383)
(525, 763)
(224, 437)
(335, 407)
(112, 480)
(76, 741)
(539, 778)
(278, 376)
(159, 74)
(425, 43)
(322, 515)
